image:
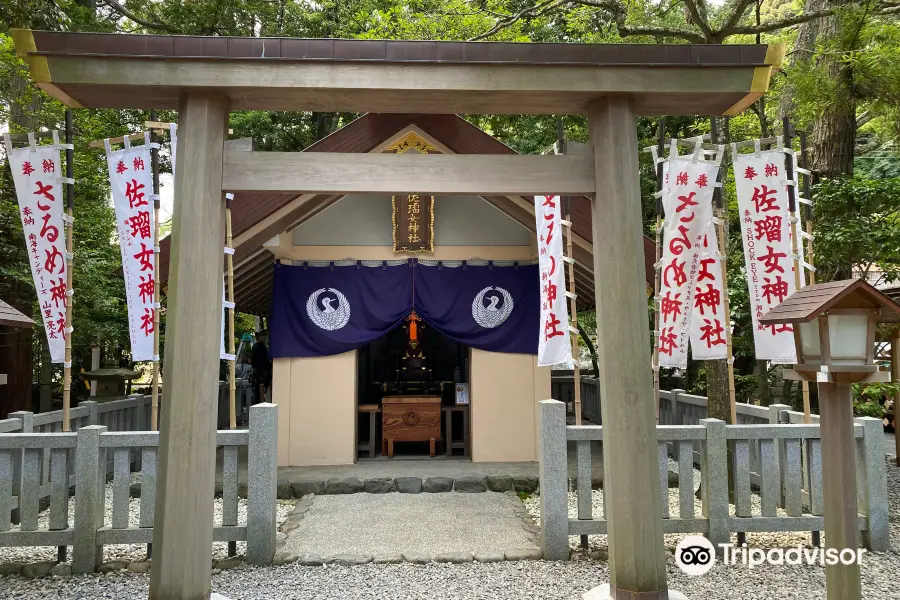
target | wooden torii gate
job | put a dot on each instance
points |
(206, 77)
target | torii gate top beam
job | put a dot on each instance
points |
(151, 71)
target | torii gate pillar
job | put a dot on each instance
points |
(637, 564)
(183, 527)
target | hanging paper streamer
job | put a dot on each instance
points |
(765, 229)
(131, 183)
(554, 345)
(37, 175)
(687, 197)
(709, 321)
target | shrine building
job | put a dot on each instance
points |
(371, 301)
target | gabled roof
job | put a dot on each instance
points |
(257, 217)
(11, 317)
(812, 301)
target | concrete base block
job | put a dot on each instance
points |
(601, 592)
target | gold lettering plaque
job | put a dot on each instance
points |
(413, 223)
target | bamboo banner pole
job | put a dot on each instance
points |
(573, 309)
(721, 208)
(154, 393)
(795, 236)
(70, 249)
(660, 148)
(229, 259)
(808, 213)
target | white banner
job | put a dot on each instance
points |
(687, 198)
(554, 345)
(131, 183)
(765, 229)
(709, 321)
(39, 189)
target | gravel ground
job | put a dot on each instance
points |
(393, 523)
(129, 552)
(497, 581)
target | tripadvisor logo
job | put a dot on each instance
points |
(695, 555)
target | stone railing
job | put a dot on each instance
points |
(562, 388)
(131, 413)
(784, 452)
(82, 458)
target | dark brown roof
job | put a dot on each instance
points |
(815, 300)
(254, 271)
(10, 317)
(398, 51)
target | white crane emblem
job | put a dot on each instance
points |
(491, 316)
(330, 312)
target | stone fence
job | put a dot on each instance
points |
(783, 452)
(82, 459)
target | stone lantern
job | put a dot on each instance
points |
(110, 380)
(834, 330)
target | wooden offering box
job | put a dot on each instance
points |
(410, 419)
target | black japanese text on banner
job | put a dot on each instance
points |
(38, 180)
(708, 323)
(765, 230)
(554, 345)
(687, 196)
(131, 183)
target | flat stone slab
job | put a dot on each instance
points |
(427, 524)
(42, 569)
(11, 568)
(499, 483)
(437, 484)
(113, 565)
(490, 557)
(283, 558)
(343, 485)
(469, 485)
(351, 559)
(524, 554)
(310, 560)
(408, 485)
(230, 563)
(378, 485)
(388, 559)
(307, 486)
(139, 566)
(417, 558)
(526, 483)
(454, 557)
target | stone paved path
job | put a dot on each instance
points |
(382, 524)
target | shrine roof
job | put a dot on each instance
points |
(259, 216)
(11, 317)
(150, 71)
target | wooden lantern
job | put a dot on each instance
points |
(834, 329)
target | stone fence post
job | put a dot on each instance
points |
(26, 418)
(874, 497)
(92, 411)
(262, 477)
(714, 478)
(775, 411)
(677, 411)
(554, 481)
(90, 490)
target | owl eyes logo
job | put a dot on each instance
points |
(695, 555)
(328, 308)
(492, 306)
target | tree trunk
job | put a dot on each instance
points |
(804, 46)
(718, 404)
(764, 392)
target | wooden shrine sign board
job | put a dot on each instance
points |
(413, 223)
(410, 419)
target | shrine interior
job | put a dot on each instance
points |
(396, 366)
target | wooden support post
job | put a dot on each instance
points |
(229, 260)
(658, 167)
(721, 211)
(183, 527)
(839, 486)
(630, 457)
(154, 391)
(70, 255)
(795, 240)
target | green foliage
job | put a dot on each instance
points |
(868, 398)
(857, 228)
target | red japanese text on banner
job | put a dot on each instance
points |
(39, 189)
(709, 321)
(687, 196)
(554, 345)
(765, 230)
(131, 182)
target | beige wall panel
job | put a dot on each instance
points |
(503, 396)
(322, 410)
(281, 395)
